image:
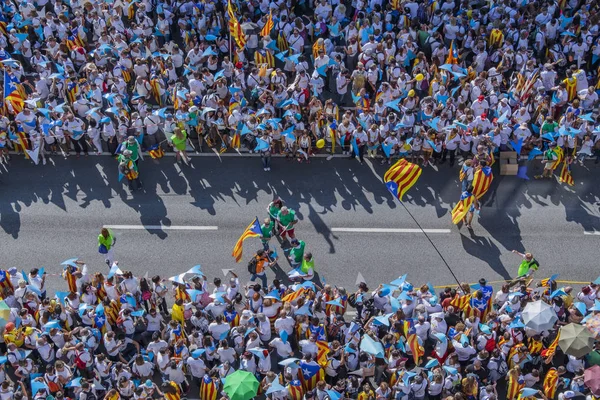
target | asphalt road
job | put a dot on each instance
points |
(54, 212)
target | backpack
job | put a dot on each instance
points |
(422, 14)
(79, 362)
(352, 300)
(252, 264)
(490, 345)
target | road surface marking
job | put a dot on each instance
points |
(389, 230)
(596, 233)
(163, 227)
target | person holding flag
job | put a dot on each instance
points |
(550, 159)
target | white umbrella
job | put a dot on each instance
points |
(539, 316)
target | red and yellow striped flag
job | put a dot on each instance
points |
(401, 177)
(266, 30)
(253, 230)
(322, 352)
(452, 54)
(417, 350)
(235, 141)
(282, 42)
(264, 57)
(462, 207)
(235, 29)
(550, 383)
(565, 175)
(482, 180)
(288, 298)
(560, 156)
(551, 350)
(208, 389)
(514, 386)
(295, 390)
(319, 45)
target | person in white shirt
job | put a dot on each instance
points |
(218, 328)
(283, 348)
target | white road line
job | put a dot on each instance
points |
(596, 233)
(163, 227)
(389, 230)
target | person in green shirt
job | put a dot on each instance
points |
(308, 267)
(179, 142)
(296, 252)
(549, 126)
(106, 241)
(527, 267)
(287, 220)
(136, 151)
(267, 232)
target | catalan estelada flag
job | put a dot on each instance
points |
(452, 54)
(550, 383)
(264, 57)
(514, 385)
(5, 280)
(72, 91)
(208, 389)
(12, 94)
(232, 318)
(310, 375)
(565, 175)
(401, 177)
(266, 30)
(156, 152)
(462, 207)
(282, 42)
(253, 230)
(295, 390)
(482, 180)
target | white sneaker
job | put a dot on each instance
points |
(268, 169)
(43, 161)
(265, 169)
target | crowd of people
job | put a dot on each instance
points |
(428, 81)
(114, 335)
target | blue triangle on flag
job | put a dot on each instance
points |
(392, 187)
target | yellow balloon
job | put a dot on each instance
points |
(320, 143)
(419, 77)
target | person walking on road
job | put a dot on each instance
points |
(267, 232)
(106, 241)
(178, 141)
(129, 170)
(257, 266)
(287, 220)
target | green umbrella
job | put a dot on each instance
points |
(576, 340)
(241, 385)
